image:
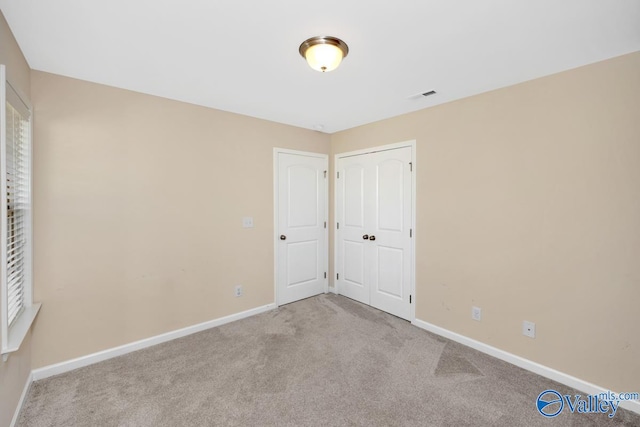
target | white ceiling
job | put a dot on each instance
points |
(242, 56)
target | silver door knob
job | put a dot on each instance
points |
(365, 237)
(372, 237)
(283, 237)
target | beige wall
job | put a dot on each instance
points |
(138, 214)
(15, 371)
(11, 56)
(529, 207)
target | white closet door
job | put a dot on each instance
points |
(353, 202)
(374, 209)
(390, 219)
(301, 234)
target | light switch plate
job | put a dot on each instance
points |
(247, 222)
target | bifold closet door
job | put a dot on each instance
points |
(374, 239)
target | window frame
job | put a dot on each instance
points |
(13, 335)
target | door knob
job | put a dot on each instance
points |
(372, 238)
(283, 237)
(365, 237)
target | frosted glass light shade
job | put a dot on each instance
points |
(324, 57)
(324, 53)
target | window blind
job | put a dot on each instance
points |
(16, 176)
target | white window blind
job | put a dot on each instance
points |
(17, 189)
(17, 311)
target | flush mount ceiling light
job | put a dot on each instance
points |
(323, 53)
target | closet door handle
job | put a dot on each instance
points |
(365, 237)
(283, 237)
(372, 237)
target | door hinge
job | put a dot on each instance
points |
(325, 174)
(337, 276)
(411, 166)
(325, 224)
(411, 232)
(325, 274)
(338, 225)
(338, 175)
(409, 299)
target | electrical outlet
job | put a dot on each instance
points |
(476, 313)
(238, 290)
(528, 329)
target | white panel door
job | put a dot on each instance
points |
(389, 238)
(352, 248)
(374, 214)
(301, 222)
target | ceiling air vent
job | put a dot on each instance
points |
(421, 95)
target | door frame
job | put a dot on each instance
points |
(276, 213)
(410, 143)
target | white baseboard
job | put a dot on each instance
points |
(27, 385)
(545, 371)
(69, 365)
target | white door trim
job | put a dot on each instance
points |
(276, 152)
(412, 144)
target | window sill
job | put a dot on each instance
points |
(19, 330)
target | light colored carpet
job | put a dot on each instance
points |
(324, 361)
